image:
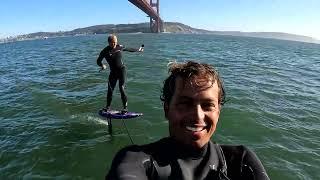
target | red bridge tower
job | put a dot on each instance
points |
(151, 8)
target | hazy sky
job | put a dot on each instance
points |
(292, 16)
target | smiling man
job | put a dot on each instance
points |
(192, 97)
(192, 102)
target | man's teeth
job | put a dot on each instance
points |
(195, 129)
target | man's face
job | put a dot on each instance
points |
(113, 43)
(193, 113)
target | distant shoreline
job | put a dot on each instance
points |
(169, 27)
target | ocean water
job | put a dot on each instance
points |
(51, 90)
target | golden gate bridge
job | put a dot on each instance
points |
(151, 8)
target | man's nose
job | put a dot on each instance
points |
(197, 112)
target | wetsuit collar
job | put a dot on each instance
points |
(185, 152)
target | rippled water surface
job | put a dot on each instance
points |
(50, 91)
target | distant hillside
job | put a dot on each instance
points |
(169, 27)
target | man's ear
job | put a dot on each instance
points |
(166, 109)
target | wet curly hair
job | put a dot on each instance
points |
(198, 74)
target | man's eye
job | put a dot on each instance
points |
(208, 106)
(183, 104)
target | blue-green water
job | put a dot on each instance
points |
(50, 91)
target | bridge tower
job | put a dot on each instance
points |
(156, 25)
(151, 8)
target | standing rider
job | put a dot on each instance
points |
(112, 54)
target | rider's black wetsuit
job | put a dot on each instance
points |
(117, 70)
(165, 159)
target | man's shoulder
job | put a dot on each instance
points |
(235, 151)
(106, 49)
(239, 154)
(119, 47)
(149, 149)
(233, 148)
(240, 157)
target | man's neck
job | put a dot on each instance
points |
(186, 151)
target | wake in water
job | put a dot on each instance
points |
(90, 118)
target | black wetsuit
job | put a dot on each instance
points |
(117, 70)
(165, 159)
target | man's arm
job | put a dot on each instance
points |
(128, 164)
(100, 58)
(141, 48)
